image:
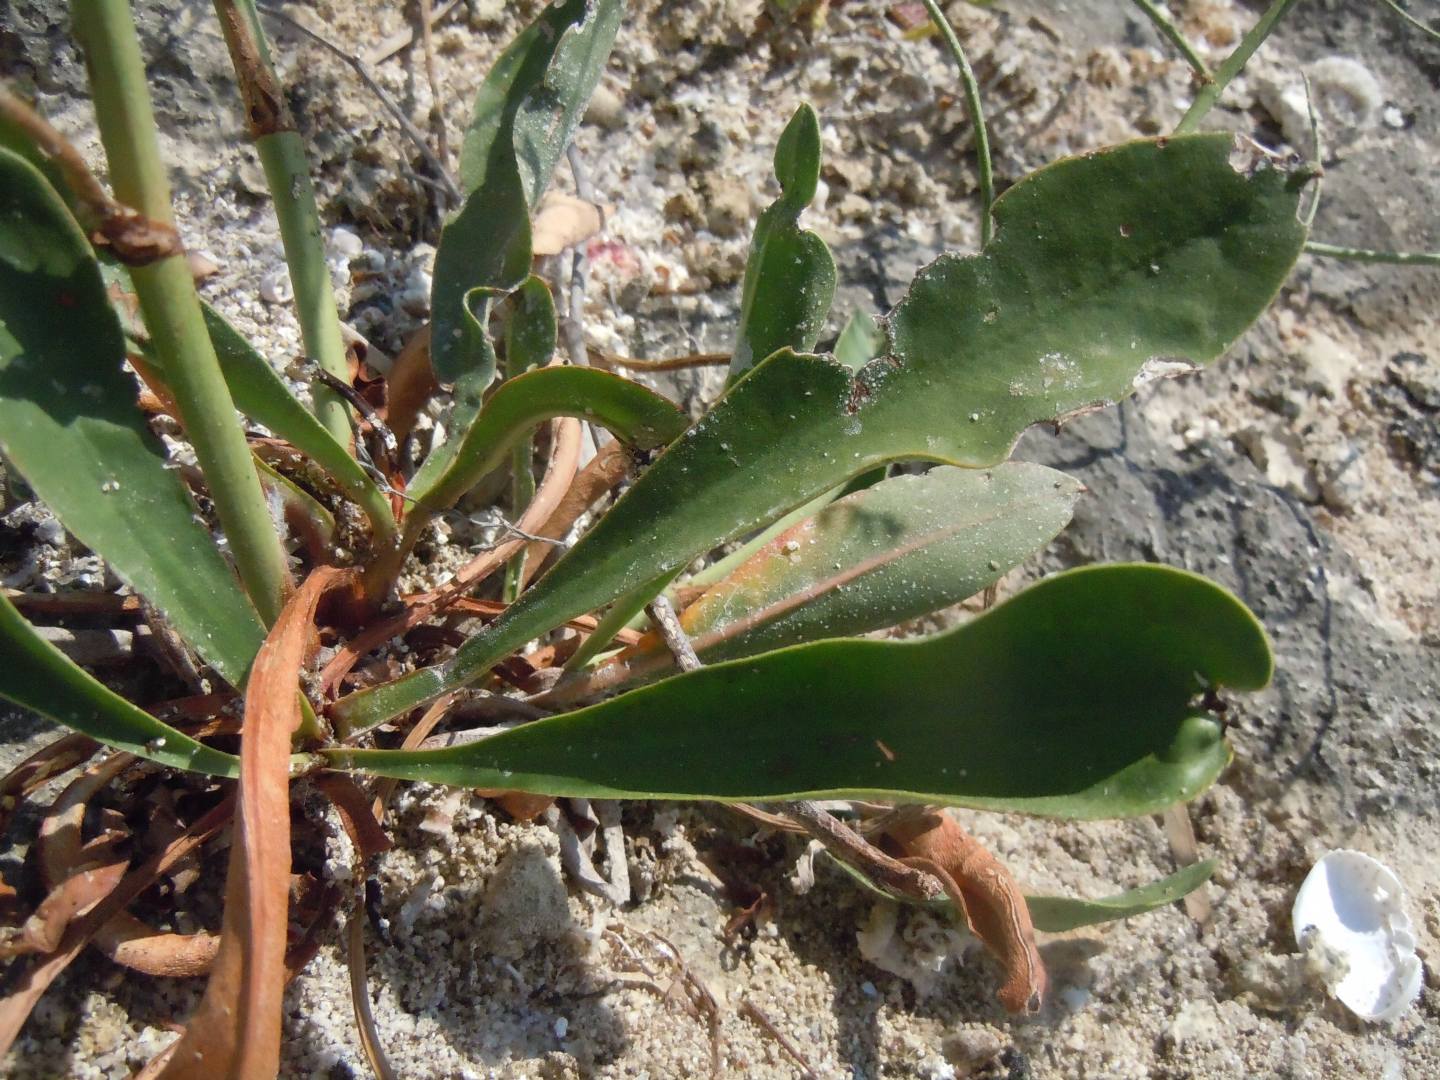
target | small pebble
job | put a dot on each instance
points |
(275, 287)
(345, 244)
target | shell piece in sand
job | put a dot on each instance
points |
(1350, 920)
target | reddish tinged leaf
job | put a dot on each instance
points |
(985, 893)
(80, 874)
(34, 981)
(64, 754)
(130, 943)
(236, 1030)
(357, 815)
(410, 384)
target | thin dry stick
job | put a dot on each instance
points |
(701, 999)
(610, 465)
(401, 39)
(442, 176)
(1180, 832)
(750, 1009)
(355, 926)
(437, 98)
(890, 875)
(662, 612)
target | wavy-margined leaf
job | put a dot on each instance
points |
(903, 548)
(1173, 255)
(70, 425)
(1074, 699)
(789, 276)
(638, 416)
(525, 113)
(1060, 914)
(41, 678)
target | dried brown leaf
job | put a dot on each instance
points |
(236, 1030)
(985, 893)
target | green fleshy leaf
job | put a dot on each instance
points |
(1174, 256)
(261, 394)
(901, 549)
(638, 416)
(1057, 914)
(525, 113)
(41, 678)
(1060, 914)
(1108, 729)
(70, 426)
(790, 276)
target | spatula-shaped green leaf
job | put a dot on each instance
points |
(903, 548)
(1059, 914)
(1075, 699)
(638, 416)
(1105, 269)
(790, 276)
(69, 424)
(40, 677)
(524, 115)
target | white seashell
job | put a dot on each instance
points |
(1350, 921)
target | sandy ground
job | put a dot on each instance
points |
(1301, 471)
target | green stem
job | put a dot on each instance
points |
(171, 309)
(1171, 33)
(1399, 258)
(1210, 93)
(977, 117)
(282, 155)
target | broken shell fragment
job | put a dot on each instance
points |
(1351, 923)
